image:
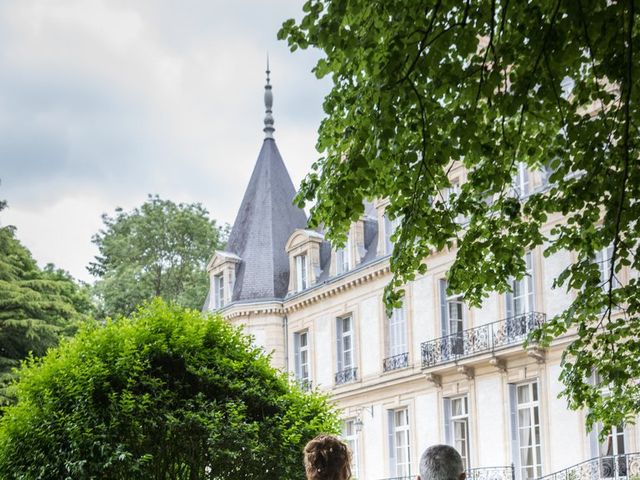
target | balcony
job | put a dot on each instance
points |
(487, 473)
(396, 362)
(482, 339)
(347, 375)
(613, 467)
(304, 384)
(491, 473)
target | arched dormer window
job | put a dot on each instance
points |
(222, 277)
(303, 248)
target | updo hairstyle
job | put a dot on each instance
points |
(327, 458)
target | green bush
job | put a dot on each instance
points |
(166, 394)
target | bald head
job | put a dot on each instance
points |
(441, 462)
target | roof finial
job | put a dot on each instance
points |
(268, 103)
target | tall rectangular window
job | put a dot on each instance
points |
(521, 182)
(399, 443)
(603, 260)
(302, 359)
(218, 286)
(350, 436)
(345, 350)
(343, 257)
(521, 299)
(452, 320)
(397, 332)
(397, 352)
(527, 433)
(301, 272)
(460, 428)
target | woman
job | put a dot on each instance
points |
(327, 458)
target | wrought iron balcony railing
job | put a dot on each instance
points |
(612, 467)
(482, 339)
(346, 375)
(486, 473)
(491, 473)
(396, 362)
(305, 384)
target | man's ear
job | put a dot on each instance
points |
(418, 477)
(462, 476)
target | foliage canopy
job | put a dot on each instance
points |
(551, 86)
(166, 394)
(37, 306)
(157, 250)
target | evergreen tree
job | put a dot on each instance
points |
(37, 306)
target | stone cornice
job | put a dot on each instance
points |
(338, 285)
(235, 310)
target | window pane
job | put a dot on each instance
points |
(523, 394)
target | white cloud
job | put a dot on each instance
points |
(102, 102)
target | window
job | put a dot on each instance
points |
(603, 260)
(521, 299)
(301, 352)
(451, 191)
(301, 272)
(399, 443)
(526, 434)
(390, 226)
(612, 465)
(218, 285)
(451, 321)
(397, 351)
(397, 332)
(456, 412)
(350, 435)
(343, 257)
(344, 330)
(521, 180)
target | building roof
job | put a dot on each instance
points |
(266, 219)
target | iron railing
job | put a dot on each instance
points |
(482, 339)
(346, 375)
(485, 473)
(610, 467)
(491, 473)
(396, 362)
(304, 384)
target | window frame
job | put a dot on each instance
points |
(302, 271)
(218, 287)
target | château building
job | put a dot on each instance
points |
(435, 371)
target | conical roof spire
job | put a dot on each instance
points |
(268, 103)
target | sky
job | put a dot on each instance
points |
(103, 102)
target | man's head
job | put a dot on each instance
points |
(441, 462)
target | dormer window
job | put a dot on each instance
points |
(343, 257)
(303, 248)
(218, 285)
(390, 226)
(301, 272)
(222, 277)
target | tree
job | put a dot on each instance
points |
(550, 86)
(166, 394)
(37, 307)
(157, 250)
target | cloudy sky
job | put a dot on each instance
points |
(105, 101)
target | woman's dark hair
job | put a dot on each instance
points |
(327, 458)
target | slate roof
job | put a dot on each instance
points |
(265, 220)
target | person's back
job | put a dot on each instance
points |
(441, 462)
(327, 458)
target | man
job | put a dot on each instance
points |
(441, 462)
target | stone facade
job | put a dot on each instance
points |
(436, 372)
